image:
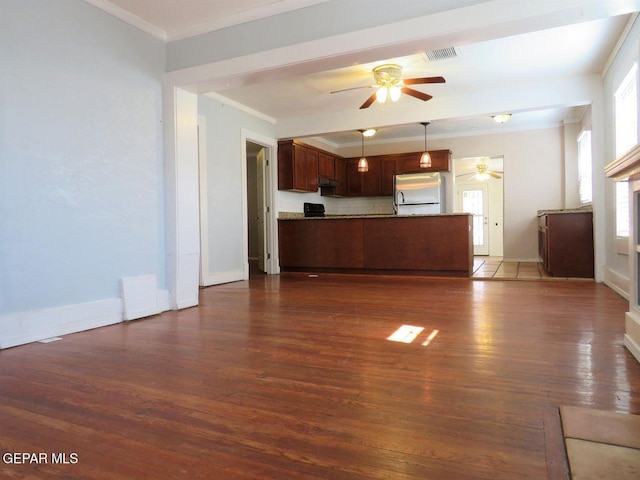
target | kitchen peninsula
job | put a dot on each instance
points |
(434, 245)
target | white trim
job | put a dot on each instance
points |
(204, 204)
(632, 335)
(182, 196)
(632, 346)
(130, 18)
(245, 207)
(223, 277)
(240, 106)
(271, 182)
(32, 326)
(616, 282)
(616, 49)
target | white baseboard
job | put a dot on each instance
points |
(139, 296)
(32, 326)
(632, 346)
(616, 282)
(222, 277)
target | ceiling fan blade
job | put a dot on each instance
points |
(465, 174)
(415, 93)
(415, 81)
(352, 88)
(368, 102)
(495, 175)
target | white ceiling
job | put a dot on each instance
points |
(576, 48)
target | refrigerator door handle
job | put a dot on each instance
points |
(402, 194)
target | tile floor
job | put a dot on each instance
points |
(497, 268)
(601, 445)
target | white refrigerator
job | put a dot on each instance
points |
(418, 193)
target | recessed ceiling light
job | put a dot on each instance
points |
(369, 132)
(501, 118)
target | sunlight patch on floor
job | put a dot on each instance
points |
(408, 333)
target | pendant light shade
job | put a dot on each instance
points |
(425, 159)
(363, 164)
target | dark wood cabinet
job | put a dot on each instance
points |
(297, 167)
(341, 177)
(364, 184)
(389, 170)
(414, 245)
(300, 165)
(410, 162)
(326, 166)
(565, 244)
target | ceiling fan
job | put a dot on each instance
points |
(483, 173)
(390, 86)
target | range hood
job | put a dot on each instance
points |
(326, 182)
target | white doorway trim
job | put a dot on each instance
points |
(181, 196)
(271, 182)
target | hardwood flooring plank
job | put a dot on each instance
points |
(293, 377)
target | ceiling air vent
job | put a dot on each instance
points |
(441, 54)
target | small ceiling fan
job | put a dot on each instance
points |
(390, 86)
(483, 173)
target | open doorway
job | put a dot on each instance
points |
(479, 190)
(256, 209)
(224, 216)
(260, 224)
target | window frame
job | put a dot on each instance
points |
(622, 145)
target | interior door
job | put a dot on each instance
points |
(473, 199)
(261, 213)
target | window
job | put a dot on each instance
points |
(584, 167)
(626, 118)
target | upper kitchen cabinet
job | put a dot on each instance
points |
(326, 166)
(364, 184)
(297, 167)
(389, 167)
(410, 162)
(339, 186)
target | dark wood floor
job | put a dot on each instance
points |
(293, 377)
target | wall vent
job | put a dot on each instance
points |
(441, 54)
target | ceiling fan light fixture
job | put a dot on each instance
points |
(482, 170)
(501, 118)
(395, 92)
(381, 94)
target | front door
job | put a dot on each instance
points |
(473, 199)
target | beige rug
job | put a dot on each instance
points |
(601, 445)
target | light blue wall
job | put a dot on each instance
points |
(224, 180)
(81, 185)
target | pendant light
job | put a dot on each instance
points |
(425, 159)
(363, 164)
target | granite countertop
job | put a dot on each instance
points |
(565, 210)
(300, 216)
